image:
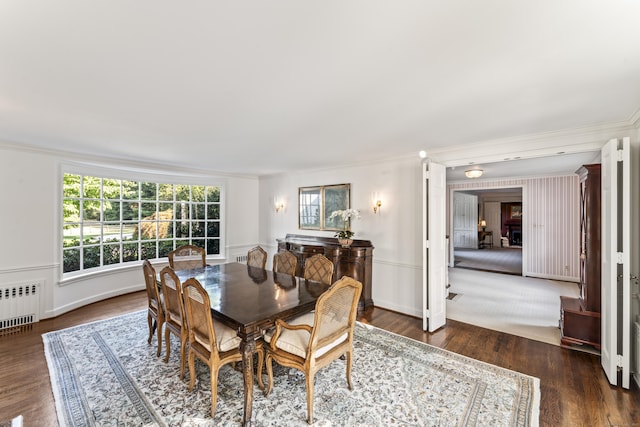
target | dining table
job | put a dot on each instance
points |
(250, 300)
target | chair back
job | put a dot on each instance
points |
(153, 294)
(173, 302)
(257, 257)
(187, 257)
(335, 313)
(198, 313)
(285, 262)
(319, 268)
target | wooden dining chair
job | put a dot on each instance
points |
(175, 320)
(155, 307)
(314, 340)
(285, 262)
(187, 257)
(257, 257)
(210, 341)
(319, 268)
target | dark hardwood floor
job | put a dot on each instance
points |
(574, 391)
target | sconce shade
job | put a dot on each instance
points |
(483, 223)
(474, 173)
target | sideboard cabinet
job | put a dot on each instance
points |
(353, 261)
(580, 317)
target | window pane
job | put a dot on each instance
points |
(71, 235)
(148, 191)
(111, 210)
(213, 194)
(198, 211)
(71, 185)
(198, 242)
(111, 188)
(182, 211)
(130, 252)
(91, 210)
(111, 254)
(148, 250)
(182, 230)
(182, 243)
(111, 232)
(167, 208)
(130, 231)
(164, 247)
(91, 256)
(91, 187)
(148, 209)
(71, 210)
(213, 229)
(165, 192)
(213, 211)
(91, 233)
(130, 190)
(165, 229)
(213, 246)
(182, 192)
(147, 230)
(71, 260)
(197, 229)
(197, 193)
(130, 211)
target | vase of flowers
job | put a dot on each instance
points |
(345, 235)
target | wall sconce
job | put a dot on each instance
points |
(483, 224)
(474, 173)
(377, 203)
(278, 204)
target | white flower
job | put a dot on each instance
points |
(346, 214)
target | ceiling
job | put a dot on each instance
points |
(255, 87)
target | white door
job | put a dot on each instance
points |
(616, 283)
(434, 248)
(465, 220)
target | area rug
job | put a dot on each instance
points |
(105, 374)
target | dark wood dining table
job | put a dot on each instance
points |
(249, 300)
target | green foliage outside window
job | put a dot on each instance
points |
(111, 221)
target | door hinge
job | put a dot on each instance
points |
(619, 257)
(619, 361)
(620, 152)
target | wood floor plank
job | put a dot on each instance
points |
(574, 391)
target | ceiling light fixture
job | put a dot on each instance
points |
(474, 173)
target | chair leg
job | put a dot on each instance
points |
(159, 338)
(267, 363)
(309, 381)
(192, 371)
(260, 363)
(214, 389)
(349, 359)
(183, 355)
(150, 322)
(167, 339)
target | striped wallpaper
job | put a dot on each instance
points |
(550, 220)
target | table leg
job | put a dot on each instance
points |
(247, 347)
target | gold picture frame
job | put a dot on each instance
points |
(316, 203)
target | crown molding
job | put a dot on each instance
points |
(567, 141)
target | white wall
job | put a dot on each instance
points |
(395, 232)
(30, 215)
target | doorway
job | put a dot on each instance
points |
(487, 230)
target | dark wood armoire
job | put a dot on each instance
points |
(354, 261)
(580, 317)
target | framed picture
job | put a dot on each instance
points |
(516, 211)
(315, 205)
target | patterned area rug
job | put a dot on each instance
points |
(105, 374)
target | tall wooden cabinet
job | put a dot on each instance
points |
(580, 317)
(355, 261)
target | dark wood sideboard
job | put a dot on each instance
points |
(354, 261)
(580, 317)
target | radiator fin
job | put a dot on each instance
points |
(19, 304)
(241, 258)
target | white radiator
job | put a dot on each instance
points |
(19, 304)
(241, 258)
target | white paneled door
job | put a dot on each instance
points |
(616, 278)
(434, 248)
(465, 220)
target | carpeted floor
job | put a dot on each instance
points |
(522, 306)
(503, 260)
(105, 373)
